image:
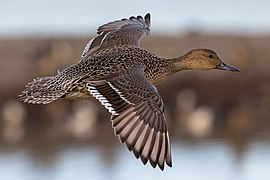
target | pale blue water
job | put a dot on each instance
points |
(81, 17)
(204, 161)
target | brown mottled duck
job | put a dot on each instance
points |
(121, 76)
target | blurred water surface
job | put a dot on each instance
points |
(81, 17)
(203, 160)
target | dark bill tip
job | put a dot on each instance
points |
(227, 67)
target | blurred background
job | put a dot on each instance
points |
(219, 121)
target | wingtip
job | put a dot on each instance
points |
(161, 167)
(153, 163)
(147, 19)
(144, 159)
(139, 17)
(136, 153)
(132, 17)
(169, 159)
(169, 163)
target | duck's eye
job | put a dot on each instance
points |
(210, 56)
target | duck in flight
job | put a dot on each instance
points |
(121, 76)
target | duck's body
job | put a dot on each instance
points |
(113, 60)
(119, 58)
(118, 73)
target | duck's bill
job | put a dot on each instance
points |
(227, 67)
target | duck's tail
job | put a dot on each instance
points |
(41, 91)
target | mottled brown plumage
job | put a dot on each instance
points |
(118, 73)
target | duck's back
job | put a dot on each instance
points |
(113, 60)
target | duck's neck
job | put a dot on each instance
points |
(166, 68)
(179, 64)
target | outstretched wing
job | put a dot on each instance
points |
(120, 32)
(137, 115)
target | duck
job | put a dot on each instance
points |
(116, 71)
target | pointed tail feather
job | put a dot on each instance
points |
(41, 91)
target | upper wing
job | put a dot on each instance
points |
(120, 32)
(137, 115)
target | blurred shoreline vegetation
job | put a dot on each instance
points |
(233, 107)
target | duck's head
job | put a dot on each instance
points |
(204, 59)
